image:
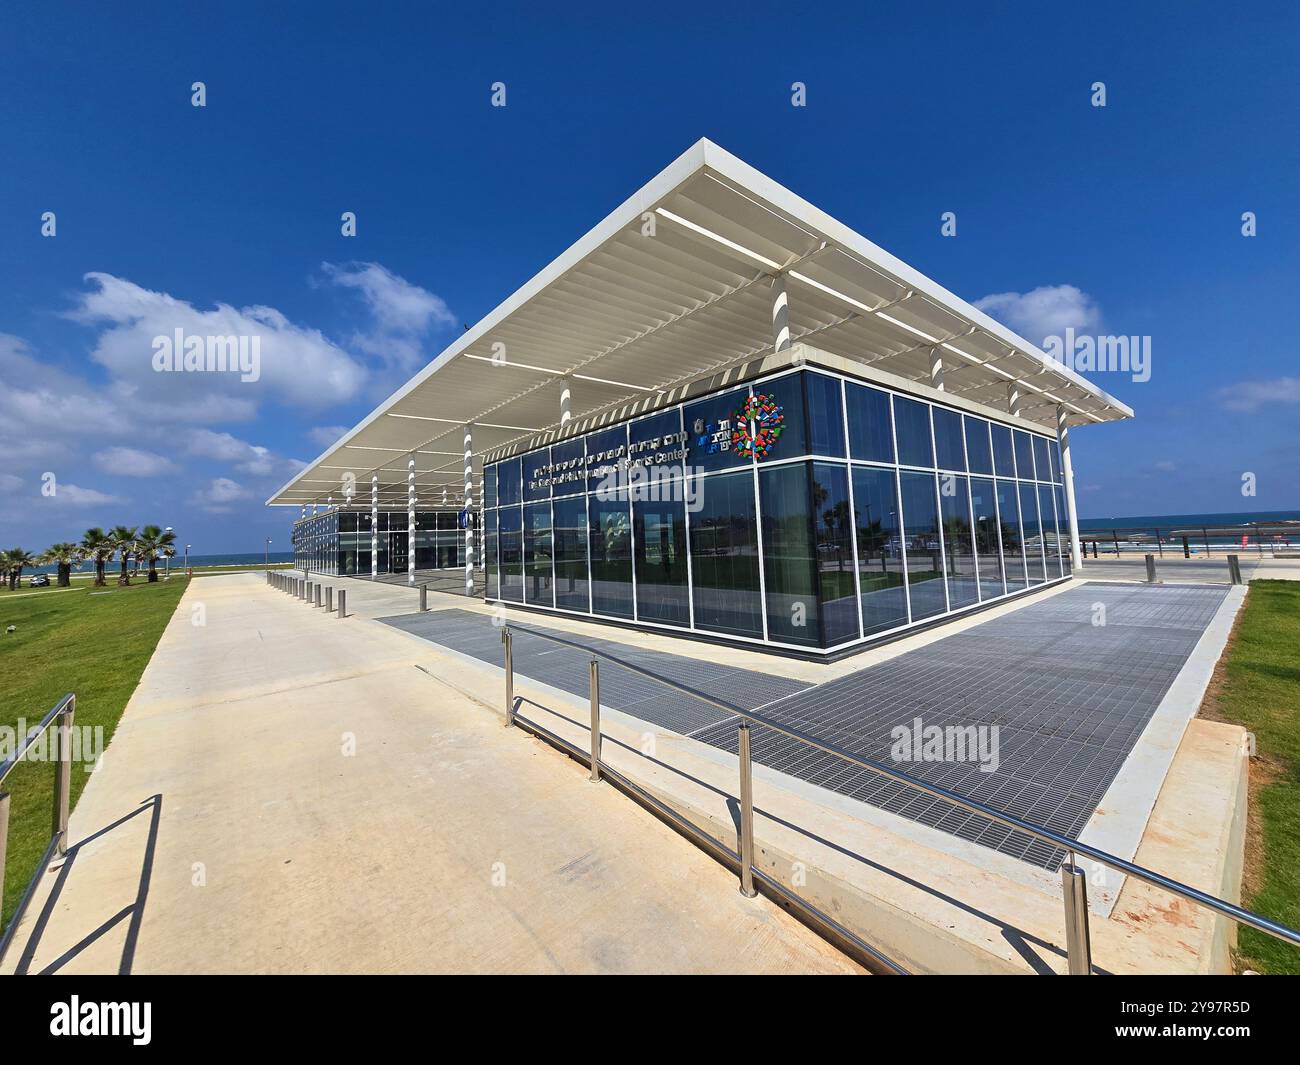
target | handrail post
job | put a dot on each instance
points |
(1078, 941)
(595, 720)
(1151, 569)
(507, 639)
(63, 776)
(746, 814)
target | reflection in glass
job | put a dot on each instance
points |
(825, 419)
(1063, 523)
(511, 551)
(1040, 459)
(490, 554)
(979, 453)
(1033, 533)
(833, 534)
(661, 558)
(880, 566)
(1024, 458)
(789, 565)
(921, 539)
(1013, 544)
(871, 436)
(1004, 463)
(724, 555)
(988, 556)
(1051, 537)
(611, 555)
(912, 424)
(538, 572)
(949, 447)
(958, 540)
(571, 553)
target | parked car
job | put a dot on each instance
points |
(40, 580)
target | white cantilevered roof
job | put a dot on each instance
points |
(623, 316)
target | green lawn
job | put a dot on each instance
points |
(91, 641)
(1258, 687)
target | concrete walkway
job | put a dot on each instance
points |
(292, 793)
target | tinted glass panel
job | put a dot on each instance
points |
(1058, 471)
(1063, 527)
(1033, 533)
(979, 453)
(825, 418)
(724, 555)
(1024, 457)
(912, 424)
(789, 565)
(538, 573)
(1003, 461)
(537, 475)
(988, 557)
(959, 542)
(1051, 540)
(490, 487)
(571, 553)
(871, 436)
(606, 459)
(1040, 459)
(660, 538)
(880, 567)
(511, 550)
(948, 439)
(921, 538)
(833, 534)
(657, 445)
(1013, 544)
(568, 470)
(508, 482)
(611, 555)
(709, 427)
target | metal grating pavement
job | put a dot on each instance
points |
(1069, 699)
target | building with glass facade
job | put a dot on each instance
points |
(721, 412)
(805, 509)
(345, 541)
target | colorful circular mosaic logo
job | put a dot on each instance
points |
(758, 425)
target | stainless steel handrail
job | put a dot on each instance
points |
(64, 709)
(1073, 885)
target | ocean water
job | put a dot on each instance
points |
(178, 563)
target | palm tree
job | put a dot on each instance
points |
(124, 542)
(98, 545)
(151, 544)
(15, 561)
(64, 556)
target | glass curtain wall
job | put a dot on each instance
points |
(803, 510)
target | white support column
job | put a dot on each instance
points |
(1067, 469)
(410, 520)
(374, 525)
(1015, 398)
(469, 511)
(780, 314)
(936, 369)
(566, 400)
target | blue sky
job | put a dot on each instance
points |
(1126, 218)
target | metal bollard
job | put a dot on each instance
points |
(1078, 942)
(424, 597)
(329, 599)
(306, 586)
(63, 777)
(1234, 569)
(343, 602)
(507, 641)
(595, 720)
(1151, 569)
(746, 814)
(318, 594)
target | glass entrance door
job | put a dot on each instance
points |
(397, 552)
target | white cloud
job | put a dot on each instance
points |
(133, 462)
(1043, 312)
(403, 313)
(298, 365)
(75, 496)
(10, 483)
(219, 495)
(325, 435)
(1249, 396)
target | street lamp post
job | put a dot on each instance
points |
(188, 572)
(167, 569)
(268, 553)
